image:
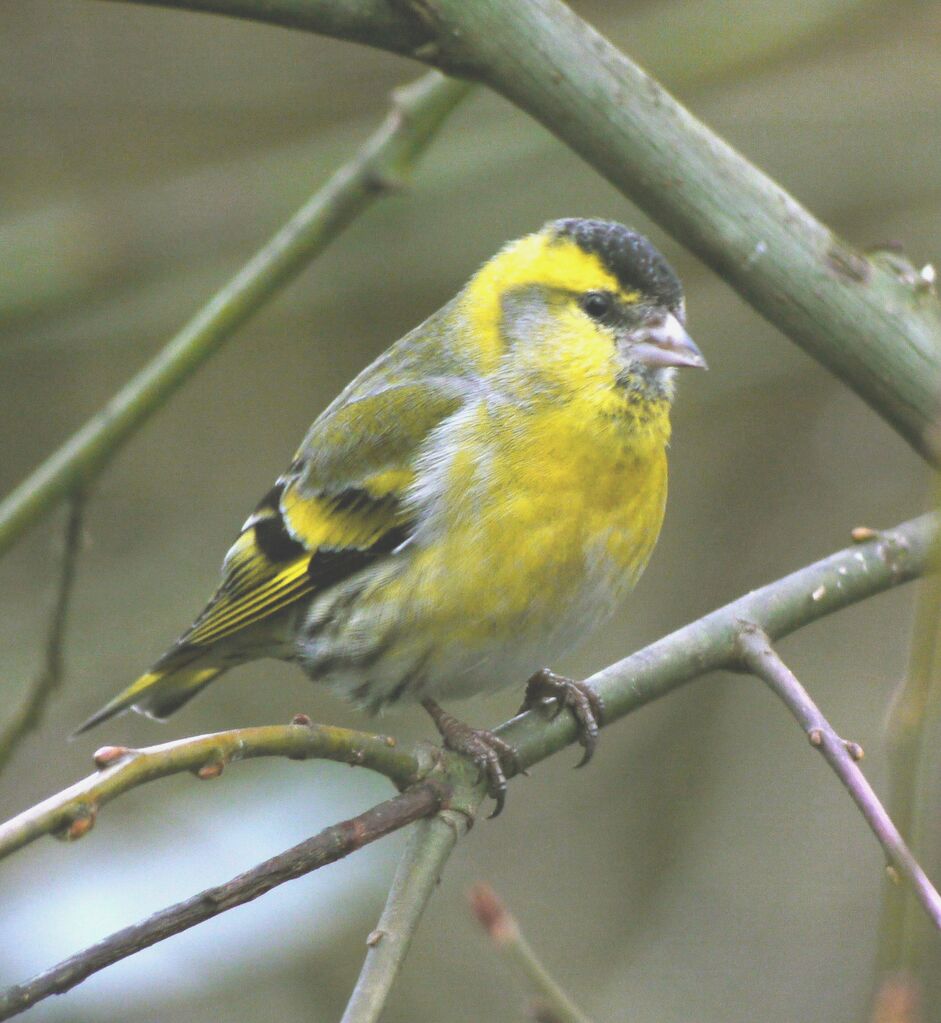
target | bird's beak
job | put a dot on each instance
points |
(665, 342)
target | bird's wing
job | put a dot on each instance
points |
(338, 508)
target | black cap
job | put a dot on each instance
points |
(636, 264)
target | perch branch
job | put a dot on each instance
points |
(384, 163)
(70, 814)
(29, 714)
(863, 570)
(329, 845)
(760, 658)
(877, 329)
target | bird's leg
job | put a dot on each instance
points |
(493, 757)
(584, 703)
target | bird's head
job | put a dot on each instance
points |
(583, 306)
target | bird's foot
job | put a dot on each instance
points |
(584, 703)
(494, 757)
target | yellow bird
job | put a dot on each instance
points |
(474, 503)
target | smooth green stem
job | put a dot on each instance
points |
(876, 327)
(894, 556)
(383, 164)
(902, 936)
(417, 876)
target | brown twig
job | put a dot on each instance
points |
(29, 714)
(759, 657)
(329, 845)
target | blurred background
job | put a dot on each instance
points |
(706, 867)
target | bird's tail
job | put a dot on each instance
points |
(177, 677)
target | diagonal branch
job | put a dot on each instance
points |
(386, 160)
(417, 877)
(760, 658)
(328, 846)
(877, 329)
(70, 814)
(29, 714)
(881, 561)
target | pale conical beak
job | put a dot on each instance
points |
(666, 343)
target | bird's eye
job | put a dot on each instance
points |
(597, 304)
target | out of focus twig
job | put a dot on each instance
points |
(760, 658)
(914, 709)
(30, 712)
(329, 845)
(504, 931)
(383, 164)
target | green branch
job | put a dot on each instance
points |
(884, 560)
(508, 939)
(383, 164)
(877, 329)
(71, 813)
(879, 562)
(417, 876)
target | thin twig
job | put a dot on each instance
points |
(30, 713)
(760, 658)
(505, 933)
(329, 845)
(71, 813)
(382, 165)
(416, 878)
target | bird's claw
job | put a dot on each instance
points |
(585, 704)
(493, 757)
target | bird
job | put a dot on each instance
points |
(472, 506)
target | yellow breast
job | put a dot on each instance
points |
(548, 509)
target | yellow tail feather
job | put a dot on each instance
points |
(158, 693)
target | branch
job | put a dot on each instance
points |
(878, 330)
(70, 814)
(418, 874)
(383, 164)
(759, 657)
(878, 563)
(508, 939)
(29, 714)
(329, 845)
(881, 561)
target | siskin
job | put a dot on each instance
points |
(474, 503)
